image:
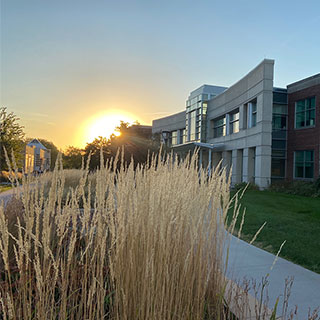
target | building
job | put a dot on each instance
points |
(304, 129)
(246, 127)
(141, 130)
(37, 157)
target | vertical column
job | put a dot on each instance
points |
(236, 177)
(200, 158)
(227, 124)
(227, 160)
(248, 165)
(216, 158)
(209, 162)
(263, 166)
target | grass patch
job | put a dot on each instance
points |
(4, 188)
(289, 217)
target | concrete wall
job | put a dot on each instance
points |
(170, 123)
(258, 84)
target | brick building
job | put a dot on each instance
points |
(304, 129)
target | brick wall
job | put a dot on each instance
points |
(304, 138)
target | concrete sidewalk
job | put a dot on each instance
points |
(5, 196)
(251, 262)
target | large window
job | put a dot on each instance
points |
(182, 136)
(252, 113)
(174, 138)
(278, 168)
(234, 122)
(219, 127)
(306, 113)
(304, 164)
(192, 124)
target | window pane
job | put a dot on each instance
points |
(278, 144)
(300, 106)
(254, 119)
(254, 107)
(278, 153)
(279, 108)
(278, 167)
(299, 156)
(279, 122)
(300, 119)
(313, 102)
(309, 170)
(310, 117)
(236, 127)
(308, 155)
(299, 170)
(219, 122)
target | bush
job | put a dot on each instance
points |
(301, 188)
(244, 186)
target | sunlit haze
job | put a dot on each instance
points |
(68, 66)
(103, 124)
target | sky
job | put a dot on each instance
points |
(68, 65)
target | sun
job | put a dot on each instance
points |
(105, 124)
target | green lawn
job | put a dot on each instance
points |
(4, 188)
(289, 217)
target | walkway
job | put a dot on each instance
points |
(6, 195)
(251, 262)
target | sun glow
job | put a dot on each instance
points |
(105, 124)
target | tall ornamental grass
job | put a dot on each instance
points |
(122, 243)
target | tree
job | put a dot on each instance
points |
(94, 148)
(135, 140)
(72, 158)
(11, 138)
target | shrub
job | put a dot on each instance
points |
(301, 188)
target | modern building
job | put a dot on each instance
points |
(37, 157)
(246, 127)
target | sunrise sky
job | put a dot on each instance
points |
(67, 65)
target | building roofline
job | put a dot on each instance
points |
(316, 76)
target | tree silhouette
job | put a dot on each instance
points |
(11, 138)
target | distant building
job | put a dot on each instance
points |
(37, 157)
(141, 130)
(264, 133)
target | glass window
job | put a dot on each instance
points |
(306, 112)
(174, 138)
(234, 122)
(182, 136)
(193, 125)
(280, 109)
(278, 144)
(219, 127)
(304, 164)
(278, 153)
(279, 122)
(278, 168)
(252, 114)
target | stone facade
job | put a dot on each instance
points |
(245, 127)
